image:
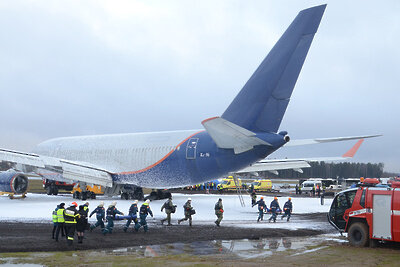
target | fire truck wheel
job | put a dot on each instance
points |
(358, 234)
(76, 195)
(49, 190)
(55, 191)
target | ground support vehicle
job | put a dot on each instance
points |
(91, 192)
(368, 213)
(52, 187)
(228, 184)
(262, 185)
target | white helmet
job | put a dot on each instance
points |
(147, 201)
(114, 203)
(189, 199)
(101, 204)
(135, 202)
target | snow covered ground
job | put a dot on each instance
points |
(38, 208)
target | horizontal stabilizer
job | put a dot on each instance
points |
(275, 165)
(296, 164)
(228, 135)
(301, 142)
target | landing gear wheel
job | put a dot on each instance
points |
(84, 195)
(124, 196)
(93, 195)
(358, 234)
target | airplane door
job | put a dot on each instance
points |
(191, 148)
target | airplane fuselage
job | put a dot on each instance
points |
(167, 159)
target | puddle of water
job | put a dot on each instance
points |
(10, 262)
(244, 249)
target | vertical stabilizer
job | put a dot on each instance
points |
(261, 104)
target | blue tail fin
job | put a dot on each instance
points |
(261, 104)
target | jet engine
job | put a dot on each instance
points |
(13, 182)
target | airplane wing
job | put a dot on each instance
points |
(70, 170)
(273, 165)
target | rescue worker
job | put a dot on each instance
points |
(86, 209)
(261, 207)
(169, 208)
(100, 216)
(274, 207)
(110, 216)
(219, 211)
(253, 198)
(55, 220)
(287, 208)
(81, 223)
(143, 212)
(133, 214)
(60, 221)
(297, 189)
(70, 216)
(188, 211)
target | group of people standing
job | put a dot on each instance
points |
(274, 208)
(68, 220)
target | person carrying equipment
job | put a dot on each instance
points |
(81, 223)
(219, 211)
(169, 208)
(261, 207)
(100, 216)
(60, 221)
(55, 220)
(253, 198)
(287, 208)
(188, 211)
(274, 208)
(70, 216)
(144, 211)
(110, 215)
(133, 214)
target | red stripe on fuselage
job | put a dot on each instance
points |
(161, 160)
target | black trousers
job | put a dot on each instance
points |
(60, 226)
(70, 228)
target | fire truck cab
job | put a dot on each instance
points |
(368, 213)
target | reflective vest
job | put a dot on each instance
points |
(70, 215)
(54, 215)
(60, 215)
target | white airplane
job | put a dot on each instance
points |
(245, 134)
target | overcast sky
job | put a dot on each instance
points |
(96, 67)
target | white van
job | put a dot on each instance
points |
(308, 185)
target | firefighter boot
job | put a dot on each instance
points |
(80, 238)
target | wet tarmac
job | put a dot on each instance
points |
(240, 249)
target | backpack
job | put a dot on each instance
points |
(173, 209)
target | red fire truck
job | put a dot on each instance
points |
(368, 213)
